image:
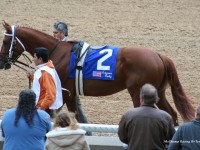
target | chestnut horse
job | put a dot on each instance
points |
(135, 66)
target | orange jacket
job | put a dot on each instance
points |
(47, 89)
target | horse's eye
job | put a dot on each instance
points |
(4, 43)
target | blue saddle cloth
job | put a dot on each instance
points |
(99, 64)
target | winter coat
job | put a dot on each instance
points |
(65, 139)
(187, 137)
(146, 128)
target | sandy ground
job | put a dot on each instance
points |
(169, 27)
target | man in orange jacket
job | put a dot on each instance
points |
(46, 83)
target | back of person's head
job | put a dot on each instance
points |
(26, 106)
(149, 94)
(43, 53)
(66, 119)
(61, 27)
(198, 112)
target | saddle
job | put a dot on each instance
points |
(80, 49)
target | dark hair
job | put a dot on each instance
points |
(43, 53)
(61, 27)
(26, 107)
(149, 94)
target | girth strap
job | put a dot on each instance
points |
(79, 68)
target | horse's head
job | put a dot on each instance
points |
(11, 48)
(19, 39)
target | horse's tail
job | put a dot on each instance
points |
(182, 102)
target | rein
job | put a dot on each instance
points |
(27, 59)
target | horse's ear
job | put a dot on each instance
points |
(6, 26)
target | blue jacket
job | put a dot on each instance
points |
(23, 137)
(187, 137)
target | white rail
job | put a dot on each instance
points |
(99, 128)
(95, 128)
(93, 139)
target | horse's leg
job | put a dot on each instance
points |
(74, 105)
(135, 96)
(70, 102)
(81, 115)
(164, 105)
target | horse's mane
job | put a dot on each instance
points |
(35, 30)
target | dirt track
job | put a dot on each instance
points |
(169, 27)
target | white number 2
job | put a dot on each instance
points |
(100, 61)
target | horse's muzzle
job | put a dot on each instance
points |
(1, 65)
(5, 65)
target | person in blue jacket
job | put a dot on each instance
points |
(187, 137)
(25, 127)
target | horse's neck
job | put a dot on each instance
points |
(32, 38)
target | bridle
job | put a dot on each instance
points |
(14, 60)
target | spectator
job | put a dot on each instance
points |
(146, 127)
(46, 83)
(66, 134)
(25, 127)
(60, 32)
(187, 137)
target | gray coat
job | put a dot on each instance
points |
(146, 128)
